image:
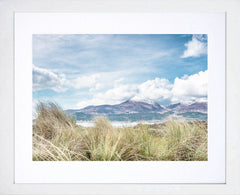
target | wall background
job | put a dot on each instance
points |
(7, 9)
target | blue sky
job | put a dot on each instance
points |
(80, 70)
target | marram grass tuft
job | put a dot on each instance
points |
(56, 137)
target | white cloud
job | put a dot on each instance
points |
(186, 89)
(121, 92)
(116, 95)
(85, 81)
(46, 79)
(157, 90)
(190, 88)
(196, 47)
(97, 82)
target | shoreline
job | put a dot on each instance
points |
(122, 124)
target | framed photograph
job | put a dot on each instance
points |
(119, 98)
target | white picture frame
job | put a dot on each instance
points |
(211, 171)
(7, 162)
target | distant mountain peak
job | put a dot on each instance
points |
(147, 106)
(148, 101)
(171, 106)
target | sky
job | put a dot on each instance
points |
(78, 70)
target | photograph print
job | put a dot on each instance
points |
(119, 97)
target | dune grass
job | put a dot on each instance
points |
(56, 137)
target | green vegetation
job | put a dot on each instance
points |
(125, 117)
(141, 116)
(56, 137)
(194, 115)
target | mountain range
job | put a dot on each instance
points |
(130, 106)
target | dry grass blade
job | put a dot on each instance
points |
(56, 137)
